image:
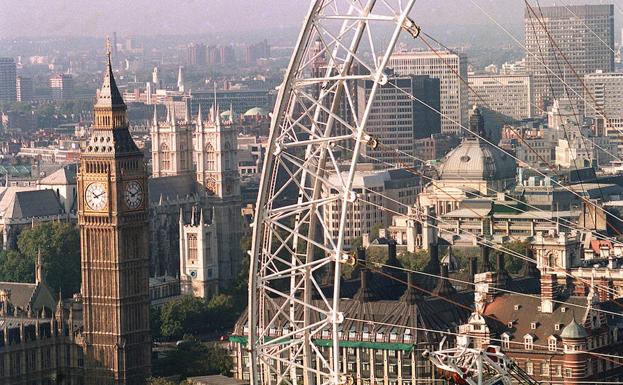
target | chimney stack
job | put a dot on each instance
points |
(473, 268)
(503, 277)
(364, 294)
(392, 259)
(410, 296)
(485, 264)
(444, 287)
(548, 288)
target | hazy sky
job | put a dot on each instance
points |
(147, 17)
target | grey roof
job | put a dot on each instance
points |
(21, 293)
(475, 159)
(172, 187)
(109, 95)
(66, 175)
(31, 204)
(574, 331)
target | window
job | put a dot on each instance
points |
(505, 341)
(528, 342)
(568, 373)
(551, 344)
(192, 247)
(210, 158)
(529, 368)
(545, 369)
(165, 157)
(533, 325)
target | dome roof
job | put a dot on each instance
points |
(225, 114)
(475, 159)
(255, 111)
(574, 331)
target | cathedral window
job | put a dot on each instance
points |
(192, 247)
(165, 157)
(210, 158)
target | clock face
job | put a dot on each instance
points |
(133, 195)
(96, 196)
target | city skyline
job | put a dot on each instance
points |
(219, 17)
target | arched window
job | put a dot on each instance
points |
(192, 247)
(165, 157)
(210, 158)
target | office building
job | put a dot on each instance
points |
(584, 34)
(382, 193)
(505, 94)
(605, 105)
(8, 92)
(24, 88)
(197, 54)
(62, 86)
(399, 116)
(454, 98)
(257, 51)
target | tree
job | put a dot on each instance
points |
(222, 312)
(59, 244)
(187, 314)
(414, 261)
(513, 263)
(191, 357)
(14, 267)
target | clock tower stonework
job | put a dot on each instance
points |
(112, 204)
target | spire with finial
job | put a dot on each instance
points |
(39, 268)
(109, 95)
(156, 126)
(173, 114)
(199, 119)
(187, 117)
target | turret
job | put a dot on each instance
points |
(574, 338)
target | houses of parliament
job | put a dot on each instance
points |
(184, 221)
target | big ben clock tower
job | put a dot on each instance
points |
(112, 199)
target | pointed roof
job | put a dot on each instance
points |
(574, 331)
(156, 116)
(109, 95)
(199, 119)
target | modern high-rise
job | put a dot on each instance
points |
(8, 75)
(443, 65)
(510, 95)
(584, 34)
(25, 89)
(196, 54)
(62, 86)
(399, 116)
(604, 103)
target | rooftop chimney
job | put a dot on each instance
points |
(444, 287)
(485, 264)
(473, 268)
(410, 296)
(529, 269)
(364, 294)
(392, 260)
(548, 288)
(503, 277)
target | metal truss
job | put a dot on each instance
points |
(486, 366)
(317, 112)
